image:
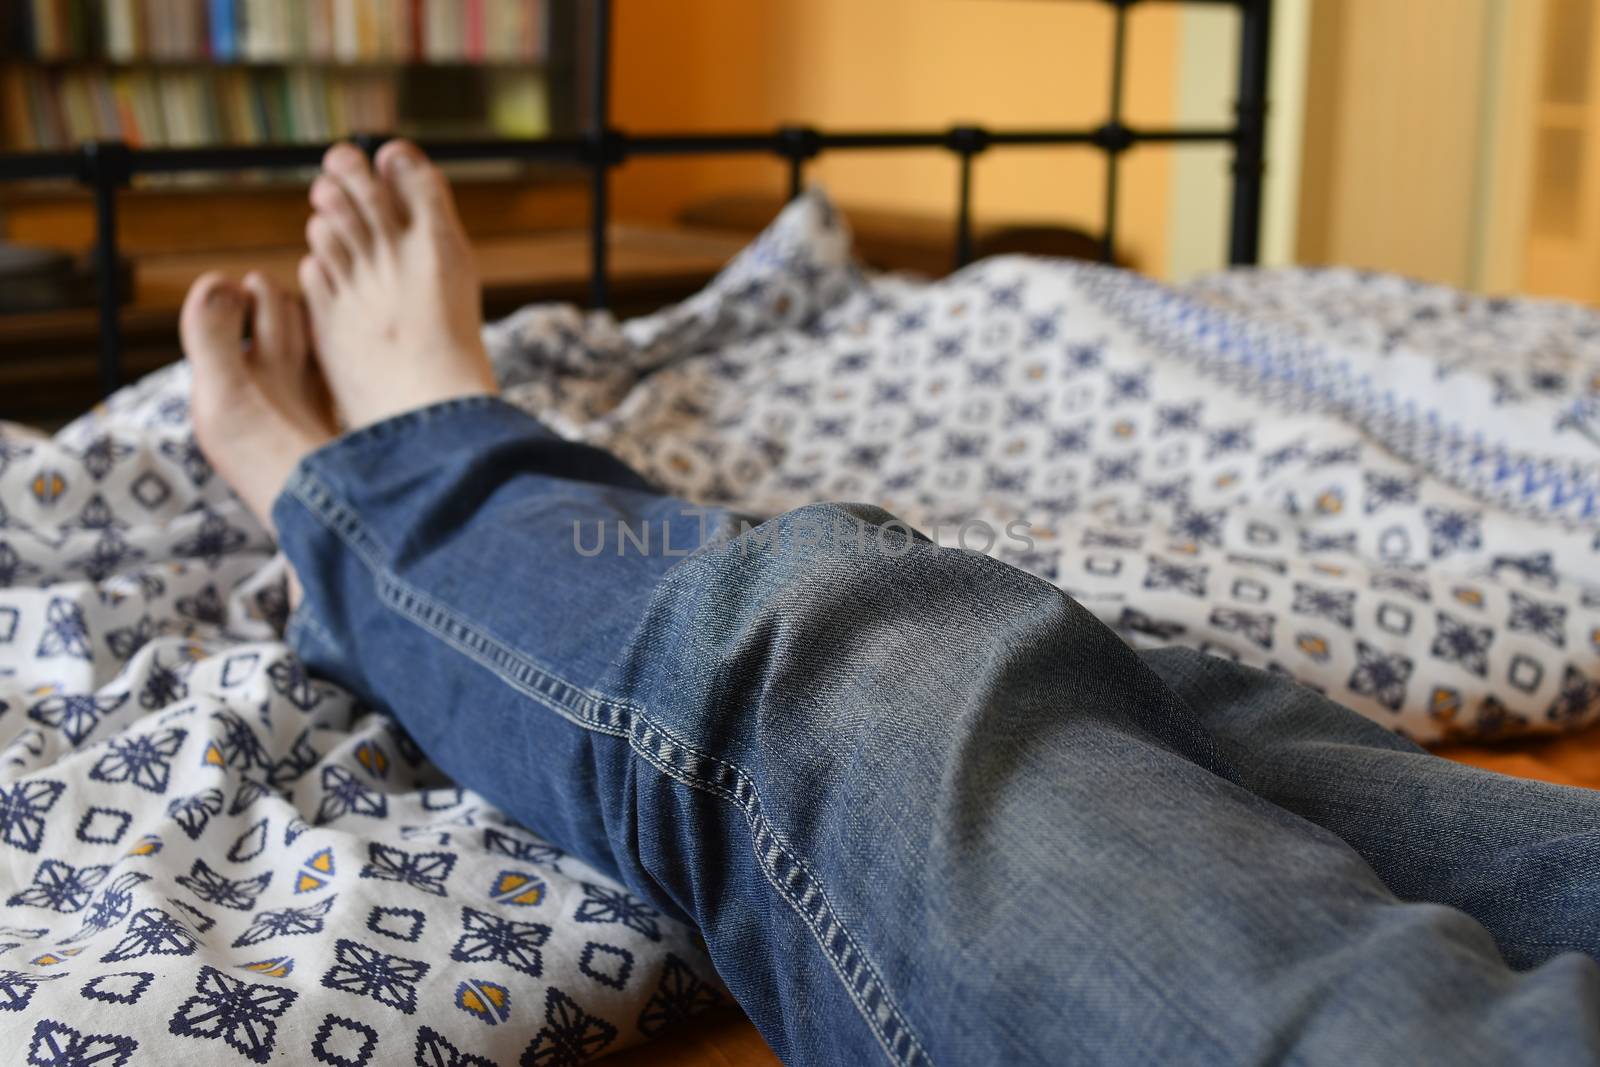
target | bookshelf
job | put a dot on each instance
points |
(186, 73)
(198, 72)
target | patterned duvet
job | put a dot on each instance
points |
(1385, 490)
(210, 858)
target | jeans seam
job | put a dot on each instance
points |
(387, 427)
(302, 621)
(631, 722)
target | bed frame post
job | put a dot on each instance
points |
(1114, 138)
(966, 142)
(105, 167)
(1249, 161)
(964, 213)
(602, 148)
(797, 145)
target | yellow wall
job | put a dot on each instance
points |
(1393, 161)
(691, 65)
(842, 64)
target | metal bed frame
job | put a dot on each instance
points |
(107, 166)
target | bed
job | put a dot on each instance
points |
(1382, 489)
(195, 824)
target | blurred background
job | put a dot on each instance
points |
(1449, 140)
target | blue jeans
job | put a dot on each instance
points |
(924, 808)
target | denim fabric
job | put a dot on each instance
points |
(923, 806)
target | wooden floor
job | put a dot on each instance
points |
(1565, 759)
(726, 1039)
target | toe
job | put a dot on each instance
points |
(347, 165)
(315, 286)
(211, 327)
(296, 329)
(329, 249)
(419, 186)
(275, 328)
(330, 200)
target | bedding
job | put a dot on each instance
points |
(210, 857)
(1385, 490)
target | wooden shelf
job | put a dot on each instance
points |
(48, 359)
(514, 270)
(468, 177)
(326, 62)
(235, 215)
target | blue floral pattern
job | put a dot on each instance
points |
(199, 833)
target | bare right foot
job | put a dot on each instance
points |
(391, 286)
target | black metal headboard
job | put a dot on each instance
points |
(107, 166)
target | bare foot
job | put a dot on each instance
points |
(391, 286)
(258, 407)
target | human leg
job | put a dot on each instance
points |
(1521, 857)
(922, 805)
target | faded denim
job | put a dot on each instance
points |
(925, 808)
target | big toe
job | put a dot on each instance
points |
(420, 186)
(348, 165)
(211, 327)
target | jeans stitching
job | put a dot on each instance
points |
(849, 961)
(495, 655)
(321, 501)
(838, 959)
(301, 620)
(383, 428)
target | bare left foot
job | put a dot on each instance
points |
(258, 407)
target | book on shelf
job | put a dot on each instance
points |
(276, 31)
(158, 73)
(51, 109)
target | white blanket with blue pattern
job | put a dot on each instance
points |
(208, 857)
(1386, 490)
